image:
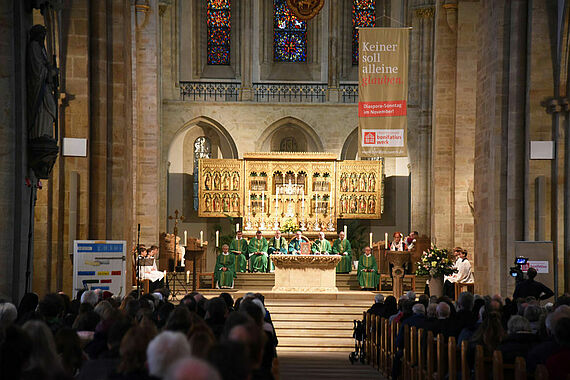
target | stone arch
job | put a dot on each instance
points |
(350, 147)
(306, 137)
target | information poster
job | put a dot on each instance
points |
(382, 91)
(100, 264)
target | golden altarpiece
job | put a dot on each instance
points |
(277, 189)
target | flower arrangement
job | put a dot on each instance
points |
(435, 263)
(289, 226)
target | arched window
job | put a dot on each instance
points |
(363, 15)
(219, 28)
(202, 149)
(289, 34)
(288, 144)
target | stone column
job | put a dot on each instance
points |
(420, 101)
(443, 132)
(146, 120)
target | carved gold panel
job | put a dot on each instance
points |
(220, 188)
(359, 189)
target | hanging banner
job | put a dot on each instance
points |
(382, 91)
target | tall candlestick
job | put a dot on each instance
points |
(262, 202)
(276, 202)
(371, 240)
(345, 231)
(217, 239)
(185, 238)
(386, 240)
(187, 276)
(201, 238)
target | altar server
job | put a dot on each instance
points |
(341, 246)
(257, 253)
(238, 247)
(224, 272)
(321, 246)
(368, 276)
(149, 271)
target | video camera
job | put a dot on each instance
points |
(516, 271)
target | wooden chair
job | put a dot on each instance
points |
(412, 278)
(440, 357)
(451, 358)
(498, 370)
(430, 356)
(209, 275)
(541, 373)
(481, 363)
(520, 368)
(463, 287)
(421, 354)
(465, 371)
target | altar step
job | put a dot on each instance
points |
(266, 281)
(317, 322)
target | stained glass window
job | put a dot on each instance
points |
(289, 34)
(219, 28)
(363, 15)
(202, 149)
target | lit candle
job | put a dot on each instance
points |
(185, 238)
(276, 201)
(187, 276)
(237, 227)
(371, 240)
(345, 231)
(217, 239)
(201, 238)
(165, 275)
(386, 240)
(262, 202)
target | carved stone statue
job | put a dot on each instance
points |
(235, 181)
(41, 86)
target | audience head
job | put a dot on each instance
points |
(411, 295)
(419, 309)
(90, 297)
(443, 310)
(518, 324)
(201, 340)
(133, 349)
(51, 306)
(191, 368)
(8, 314)
(378, 298)
(465, 301)
(431, 311)
(164, 350)
(228, 300)
(44, 356)
(553, 318)
(68, 347)
(562, 332)
(424, 300)
(217, 309)
(231, 360)
(15, 352)
(253, 337)
(179, 320)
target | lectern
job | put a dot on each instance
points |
(398, 259)
(194, 251)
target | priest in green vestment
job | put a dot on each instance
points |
(277, 246)
(295, 243)
(341, 246)
(368, 276)
(257, 253)
(224, 272)
(238, 247)
(321, 246)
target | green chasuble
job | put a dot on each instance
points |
(320, 246)
(225, 279)
(295, 246)
(368, 279)
(257, 263)
(343, 249)
(239, 249)
(277, 247)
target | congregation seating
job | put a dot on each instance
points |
(430, 357)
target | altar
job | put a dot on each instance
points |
(305, 273)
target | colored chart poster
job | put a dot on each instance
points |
(100, 264)
(383, 91)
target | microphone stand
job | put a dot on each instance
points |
(138, 261)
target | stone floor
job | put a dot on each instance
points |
(323, 365)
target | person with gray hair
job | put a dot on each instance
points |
(464, 317)
(519, 340)
(541, 352)
(378, 306)
(8, 314)
(90, 297)
(164, 350)
(191, 368)
(411, 295)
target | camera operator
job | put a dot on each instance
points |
(531, 288)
